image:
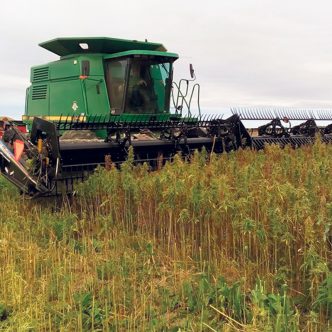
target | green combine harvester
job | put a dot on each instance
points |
(105, 95)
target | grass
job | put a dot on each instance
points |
(237, 242)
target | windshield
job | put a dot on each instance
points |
(148, 86)
(139, 85)
(116, 83)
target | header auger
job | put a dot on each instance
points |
(106, 95)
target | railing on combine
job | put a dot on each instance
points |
(182, 97)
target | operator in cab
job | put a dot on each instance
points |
(140, 89)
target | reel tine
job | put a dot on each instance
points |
(290, 114)
(299, 114)
(253, 112)
(239, 113)
(312, 114)
(296, 114)
(266, 112)
(318, 112)
(250, 114)
(244, 113)
(309, 115)
(270, 115)
(276, 113)
(263, 113)
(305, 114)
(247, 113)
(259, 114)
(328, 115)
(322, 115)
(256, 111)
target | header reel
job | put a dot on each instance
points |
(280, 131)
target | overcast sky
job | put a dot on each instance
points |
(245, 52)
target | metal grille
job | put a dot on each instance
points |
(39, 92)
(40, 74)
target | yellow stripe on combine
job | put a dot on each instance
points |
(80, 118)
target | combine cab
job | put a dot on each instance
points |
(106, 95)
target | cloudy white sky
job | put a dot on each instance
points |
(245, 52)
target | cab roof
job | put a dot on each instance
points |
(86, 45)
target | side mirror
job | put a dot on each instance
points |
(85, 68)
(192, 71)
